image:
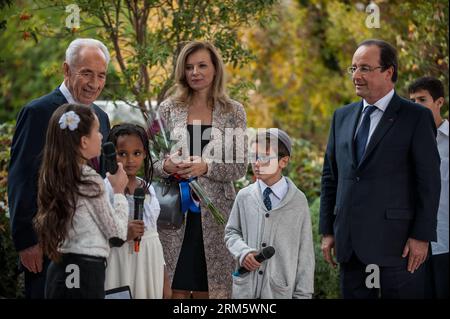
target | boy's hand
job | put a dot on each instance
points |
(135, 229)
(250, 262)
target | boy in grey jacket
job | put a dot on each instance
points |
(271, 212)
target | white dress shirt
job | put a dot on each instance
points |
(65, 91)
(441, 246)
(376, 115)
(279, 190)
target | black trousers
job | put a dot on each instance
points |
(395, 282)
(76, 276)
(437, 267)
(35, 283)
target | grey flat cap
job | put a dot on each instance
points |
(282, 136)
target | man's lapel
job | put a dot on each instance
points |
(58, 97)
(386, 122)
(351, 129)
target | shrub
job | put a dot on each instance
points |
(326, 279)
(8, 256)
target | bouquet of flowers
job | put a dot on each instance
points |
(161, 145)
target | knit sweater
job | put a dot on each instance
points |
(95, 221)
(287, 227)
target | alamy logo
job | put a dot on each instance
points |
(73, 19)
(373, 19)
(373, 279)
(73, 279)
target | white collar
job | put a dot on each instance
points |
(443, 128)
(65, 91)
(382, 103)
(278, 189)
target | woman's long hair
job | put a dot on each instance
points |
(60, 178)
(182, 92)
(139, 131)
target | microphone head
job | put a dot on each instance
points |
(109, 149)
(268, 252)
(139, 194)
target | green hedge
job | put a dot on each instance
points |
(9, 279)
(326, 278)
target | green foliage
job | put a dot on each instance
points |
(157, 31)
(326, 279)
(305, 168)
(8, 255)
(302, 56)
(27, 69)
(144, 38)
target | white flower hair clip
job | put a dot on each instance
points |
(69, 119)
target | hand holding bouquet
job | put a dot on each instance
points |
(161, 146)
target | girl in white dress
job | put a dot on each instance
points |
(143, 271)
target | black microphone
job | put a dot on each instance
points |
(263, 255)
(109, 151)
(139, 196)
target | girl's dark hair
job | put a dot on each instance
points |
(60, 178)
(139, 131)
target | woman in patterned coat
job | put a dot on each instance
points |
(199, 115)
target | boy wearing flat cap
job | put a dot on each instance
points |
(271, 212)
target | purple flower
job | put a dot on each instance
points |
(154, 128)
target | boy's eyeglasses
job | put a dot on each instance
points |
(263, 159)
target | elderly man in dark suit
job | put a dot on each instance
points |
(85, 69)
(380, 184)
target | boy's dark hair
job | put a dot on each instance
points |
(282, 149)
(430, 84)
(139, 131)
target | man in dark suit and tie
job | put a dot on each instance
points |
(85, 69)
(380, 184)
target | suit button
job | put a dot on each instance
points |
(357, 178)
(267, 215)
(260, 272)
(263, 244)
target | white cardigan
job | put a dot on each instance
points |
(95, 221)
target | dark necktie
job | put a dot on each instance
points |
(267, 201)
(363, 133)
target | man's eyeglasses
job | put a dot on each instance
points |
(364, 69)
